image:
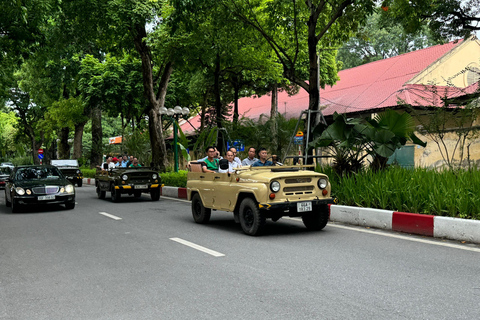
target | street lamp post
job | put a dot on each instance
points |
(174, 114)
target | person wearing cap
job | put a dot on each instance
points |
(115, 161)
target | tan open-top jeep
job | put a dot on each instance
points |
(254, 194)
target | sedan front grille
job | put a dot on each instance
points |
(45, 190)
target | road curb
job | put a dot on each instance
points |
(414, 223)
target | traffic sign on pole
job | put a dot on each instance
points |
(40, 151)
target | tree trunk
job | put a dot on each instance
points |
(273, 118)
(236, 87)
(313, 80)
(63, 146)
(157, 141)
(204, 110)
(218, 104)
(77, 140)
(96, 156)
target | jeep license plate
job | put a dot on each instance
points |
(49, 197)
(141, 186)
(304, 206)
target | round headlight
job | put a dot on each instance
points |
(275, 186)
(154, 176)
(62, 190)
(69, 188)
(28, 191)
(125, 177)
(322, 183)
(19, 191)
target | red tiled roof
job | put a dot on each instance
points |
(370, 86)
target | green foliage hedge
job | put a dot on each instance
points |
(88, 173)
(174, 179)
(426, 191)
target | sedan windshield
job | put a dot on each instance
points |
(36, 173)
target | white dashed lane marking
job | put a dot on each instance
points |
(111, 216)
(197, 247)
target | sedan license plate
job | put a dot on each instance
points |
(141, 186)
(304, 206)
(49, 197)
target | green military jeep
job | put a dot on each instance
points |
(70, 170)
(131, 181)
(255, 194)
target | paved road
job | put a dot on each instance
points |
(79, 264)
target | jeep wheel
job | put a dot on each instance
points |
(316, 220)
(100, 193)
(155, 194)
(115, 194)
(79, 183)
(199, 212)
(251, 219)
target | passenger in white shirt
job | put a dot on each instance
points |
(231, 164)
(235, 158)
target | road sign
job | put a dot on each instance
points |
(298, 140)
(40, 156)
(238, 144)
(40, 151)
(299, 134)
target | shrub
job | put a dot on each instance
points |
(174, 179)
(452, 193)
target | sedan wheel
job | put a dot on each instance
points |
(7, 203)
(15, 206)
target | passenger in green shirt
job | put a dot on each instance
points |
(135, 163)
(211, 162)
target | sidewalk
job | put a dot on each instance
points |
(421, 224)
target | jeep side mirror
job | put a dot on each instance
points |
(223, 164)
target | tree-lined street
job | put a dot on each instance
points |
(79, 264)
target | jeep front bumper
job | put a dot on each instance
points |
(295, 208)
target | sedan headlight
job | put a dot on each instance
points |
(322, 183)
(275, 186)
(19, 191)
(69, 188)
(125, 177)
(154, 176)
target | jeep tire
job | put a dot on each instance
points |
(100, 193)
(251, 219)
(155, 194)
(316, 220)
(200, 214)
(115, 194)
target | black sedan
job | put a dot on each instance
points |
(33, 185)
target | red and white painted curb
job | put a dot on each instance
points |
(422, 224)
(174, 192)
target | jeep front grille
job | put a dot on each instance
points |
(289, 191)
(298, 180)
